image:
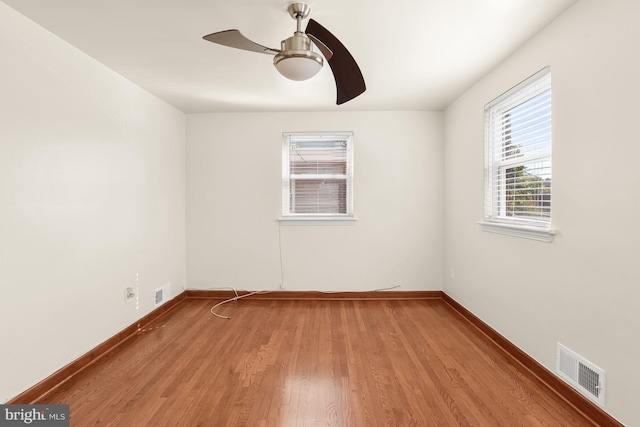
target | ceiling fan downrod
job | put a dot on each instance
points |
(299, 11)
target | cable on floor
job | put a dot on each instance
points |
(236, 298)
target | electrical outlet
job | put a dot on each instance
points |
(452, 273)
(129, 294)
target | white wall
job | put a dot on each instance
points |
(91, 194)
(233, 232)
(583, 289)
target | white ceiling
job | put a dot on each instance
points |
(414, 54)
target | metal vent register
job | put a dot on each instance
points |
(583, 375)
(162, 294)
(158, 297)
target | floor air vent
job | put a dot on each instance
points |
(586, 377)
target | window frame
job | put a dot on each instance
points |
(495, 217)
(292, 218)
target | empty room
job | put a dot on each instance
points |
(418, 213)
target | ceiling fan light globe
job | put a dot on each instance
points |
(298, 67)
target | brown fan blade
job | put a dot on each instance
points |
(326, 52)
(234, 38)
(347, 74)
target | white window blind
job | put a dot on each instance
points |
(317, 174)
(518, 154)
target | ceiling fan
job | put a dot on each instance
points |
(296, 60)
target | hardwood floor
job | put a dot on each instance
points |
(311, 363)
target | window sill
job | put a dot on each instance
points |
(317, 220)
(523, 231)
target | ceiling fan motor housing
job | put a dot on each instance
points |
(297, 61)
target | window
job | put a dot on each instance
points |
(317, 176)
(518, 160)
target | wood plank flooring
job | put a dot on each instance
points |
(311, 363)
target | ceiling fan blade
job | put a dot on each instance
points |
(234, 38)
(349, 80)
